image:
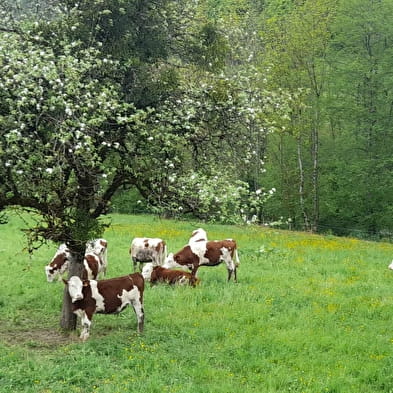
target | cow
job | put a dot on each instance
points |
(99, 247)
(206, 253)
(109, 296)
(59, 263)
(391, 266)
(160, 274)
(92, 266)
(94, 262)
(144, 249)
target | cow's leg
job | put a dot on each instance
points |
(135, 263)
(193, 278)
(139, 312)
(229, 274)
(86, 323)
(231, 267)
(230, 271)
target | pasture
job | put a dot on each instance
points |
(310, 314)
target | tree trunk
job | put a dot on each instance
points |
(68, 318)
(315, 172)
(301, 185)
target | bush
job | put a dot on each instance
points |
(129, 202)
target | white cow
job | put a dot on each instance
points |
(144, 249)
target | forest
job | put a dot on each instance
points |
(277, 112)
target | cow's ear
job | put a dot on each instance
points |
(65, 281)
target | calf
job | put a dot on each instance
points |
(94, 262)
(106, 297)
(144, 249)
(206, 253)
(160, 274)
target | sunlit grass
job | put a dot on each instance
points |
(309, 314)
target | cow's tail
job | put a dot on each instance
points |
(164, 254)
(237, 260)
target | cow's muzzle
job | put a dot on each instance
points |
(76, 298)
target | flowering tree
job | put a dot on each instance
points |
(75, 126)
(64, 136)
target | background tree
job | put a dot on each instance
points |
(297, 42)
(359, 181)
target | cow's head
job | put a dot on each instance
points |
(75, 286)
(58, 265)
(51, 273)
(97, 246)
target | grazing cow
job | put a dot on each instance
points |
(206, 253)
(95, 260)
(161, 274)
(59, 263)
(106, 297)
(144, 249)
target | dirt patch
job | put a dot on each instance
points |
(36, 338)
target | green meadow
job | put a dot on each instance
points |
(309, 314)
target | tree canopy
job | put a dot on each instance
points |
(166, 97)
(95, 99)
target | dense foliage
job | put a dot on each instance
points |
(200, 108)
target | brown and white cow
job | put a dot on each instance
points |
(160, 274)
(206, 253)
(99, 247)
(106, 297)
(95, 260)
(92, 266)
(59, 263)
(145, 249)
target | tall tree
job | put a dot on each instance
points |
(360, 106)
(297, 44)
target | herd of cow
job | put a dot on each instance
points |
(90, 296)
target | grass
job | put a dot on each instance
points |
(310, 314)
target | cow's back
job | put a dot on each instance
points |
(218, 250)
(113, 290)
